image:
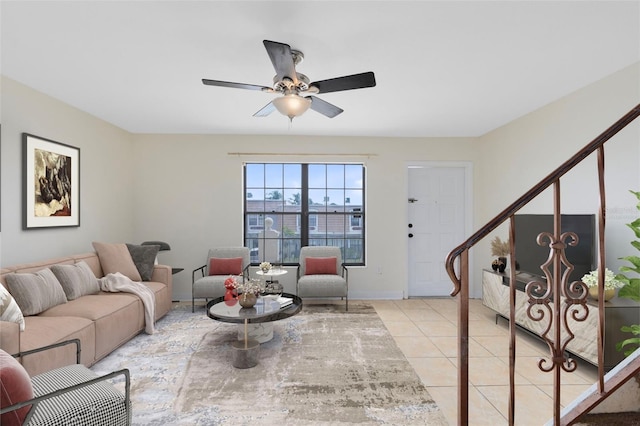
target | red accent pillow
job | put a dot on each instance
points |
(225, 266)
(15, 387)
(320, 266)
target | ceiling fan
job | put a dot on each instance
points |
(296, 89)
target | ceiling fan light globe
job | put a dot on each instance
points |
(292, 105)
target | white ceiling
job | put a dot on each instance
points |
(443, 68)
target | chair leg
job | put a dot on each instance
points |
(192, 304)
(346, 304)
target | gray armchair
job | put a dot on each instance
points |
(321, 273)
(70, 395)
(221, 262)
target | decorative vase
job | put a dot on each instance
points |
(265, 270)
(503, 263)
(247, 300)
(608, 293)
(231, 296)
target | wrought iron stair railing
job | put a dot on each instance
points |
(573, 300)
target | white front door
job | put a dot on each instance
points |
(436, 225)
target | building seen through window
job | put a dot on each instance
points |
(288, 206)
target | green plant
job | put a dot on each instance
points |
(288, 232)
(631, 289)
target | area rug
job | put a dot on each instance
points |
(323, 367)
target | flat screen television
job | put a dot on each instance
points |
(530, 255)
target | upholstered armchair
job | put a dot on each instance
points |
(70, 395)
(321, 273)
(221, 262)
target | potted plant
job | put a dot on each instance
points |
(249, 291)
(631, 289)
(611, 283)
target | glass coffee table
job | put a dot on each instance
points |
(255, 327)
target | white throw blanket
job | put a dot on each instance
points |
(117, 282)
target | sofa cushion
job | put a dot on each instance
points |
(320, 266)
(42, 330)
(37, 292)
(15, 387)
(9, 309)
(225, 266)
(144, 257)
(77, 280)
(117, 317)
(116, 258)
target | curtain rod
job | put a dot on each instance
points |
(302, 154)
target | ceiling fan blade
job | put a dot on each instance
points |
(324, 107)
(349, 82)
(282, 60)
(266, 110)
(236, 85)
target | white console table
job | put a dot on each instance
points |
(618, 312)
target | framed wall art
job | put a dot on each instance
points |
(51, 193)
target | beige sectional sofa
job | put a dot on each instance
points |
(102, 321)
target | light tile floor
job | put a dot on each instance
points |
(426, 332)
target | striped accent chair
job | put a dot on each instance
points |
(70, 395)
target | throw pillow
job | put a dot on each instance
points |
(144, 258)
(93, 284)
(116, 258)
(15, 387)
(225, 266)
(76, 280)
(35, 293)
(320, 266)
(9, 309)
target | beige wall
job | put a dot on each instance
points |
(189, 193)
(106, 172)
(518, 155)
(187, 189)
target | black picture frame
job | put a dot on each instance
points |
(51, 183)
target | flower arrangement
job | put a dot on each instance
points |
(610, 280)
(499, 248)
(265, 266)
(251, 286)
(247, 286)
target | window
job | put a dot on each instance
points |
(356, 219)
(288, 206)
(255, 222)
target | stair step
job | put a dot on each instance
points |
(612, 419)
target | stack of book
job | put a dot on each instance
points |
(284, 301)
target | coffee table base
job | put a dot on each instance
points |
(245, 355)
(262, 332)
